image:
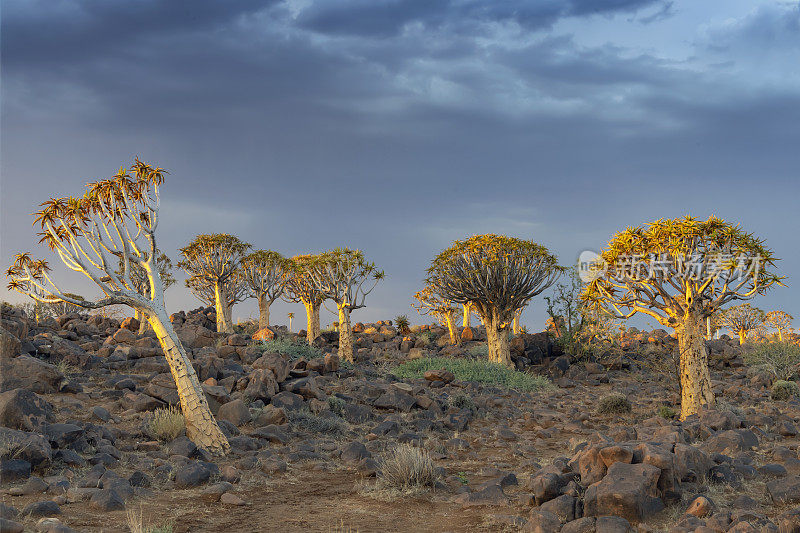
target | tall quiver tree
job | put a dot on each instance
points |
(118, 217)
(780, 320)
(497, 275)
(430, 303)
(212, 261)
(264, 274)
(300, 287)
(679, 271)
(345, 277)
(141, 281)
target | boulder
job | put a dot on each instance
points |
(235, 412)
(10, 345)
(274, 362)
(23, 409)
(264, 334)
(30, 447)
(26, 372)
(395, 399)
(627, 490)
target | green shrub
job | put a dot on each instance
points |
(665, 411)
(784, 390)
(407, 467)
(167, 423)
(779, 358)
(336, 405)
(292, 350)
(479, 350)
(614, 403)
(427, 336)
(462, 401)
(477, 370)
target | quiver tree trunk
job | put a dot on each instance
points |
(312, 322)
(451, 329)
(467, 320)
(201, 427)
(345, 334)
(143, 324)
(223, 310)
(742, 336)
(515, 328)
(263, 311)
(497, 339)
(694, 375)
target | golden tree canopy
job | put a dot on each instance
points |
(671, 266)
(495, 273)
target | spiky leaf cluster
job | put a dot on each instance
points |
(670, 266)
(264, 273)
(495, 273)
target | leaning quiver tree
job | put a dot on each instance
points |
(263, 273)
(345, 277)
(117, 218)
(679, 271)
(742, 319)
(497, 275)
(300, 287)
(780, 321)
(430, 303)
(141, 281)
(211, 261)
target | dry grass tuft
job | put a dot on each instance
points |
(407, 467)
(167, 423)
(614, 403)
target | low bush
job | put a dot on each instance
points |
(292, 350)
(476, 370)
(462, 401)
(480, 350)
(665, 411)
(784, 390)
(166, 424)
(407, 467)
(614, 403)
(779, 358)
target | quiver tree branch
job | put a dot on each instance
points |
(345, 277)
(679, 271)
(496, 275)
(300, 287)
(212, 263)
(430, 303)
(780, 321)
(264, 275)
(742, 319)
(107, 235)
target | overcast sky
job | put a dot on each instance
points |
(398, 126)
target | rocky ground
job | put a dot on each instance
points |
(308, 436)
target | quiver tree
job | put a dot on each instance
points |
(430, 303)
(264, 275)
(300, 287)
(233, 291)
(212, 263)
(117, 218)
(496, 275)
(742, 319)
(679, 271)
(780, 321)
(345, 277)
(141, 281)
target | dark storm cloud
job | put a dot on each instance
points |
(398, 126)
(386, 18)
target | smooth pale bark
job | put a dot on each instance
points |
(497, 339)
(742, 336)
(263, 311)
(467, 320)
(516, 329)
(451, 328)
(223, 310)
(201, 427)
(695, 378)
(345, 335)
(313, 329)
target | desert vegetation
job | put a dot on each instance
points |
(589, 424)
